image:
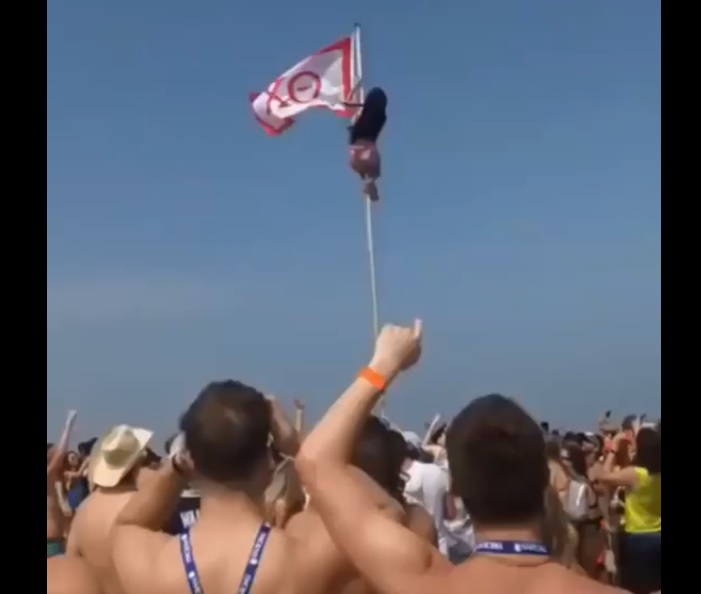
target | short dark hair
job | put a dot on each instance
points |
(379, 452)
(226, 429)
(496, 453)
(648, 450)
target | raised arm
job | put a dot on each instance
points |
(430, 429)
(55, 462)
(136, 538)
(609, 475)
(391, 557)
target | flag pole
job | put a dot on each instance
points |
(369, 232)
(358, 61)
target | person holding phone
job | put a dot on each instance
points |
(642, 532)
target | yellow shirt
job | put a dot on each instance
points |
(643, 507)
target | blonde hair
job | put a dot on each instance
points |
(284, 496)
(557, 532)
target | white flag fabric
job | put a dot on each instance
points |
(324, 79)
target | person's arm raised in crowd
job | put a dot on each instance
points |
(284, 434)
(55, 463)
(623, 477)
(430, 429)
(136, 538)
(83, 470)
(299, 418)
(390, 556)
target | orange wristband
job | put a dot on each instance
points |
(373, 378)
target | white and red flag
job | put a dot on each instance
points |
(325, 79)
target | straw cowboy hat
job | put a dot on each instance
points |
(116, 454)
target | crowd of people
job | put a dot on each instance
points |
(245, 500)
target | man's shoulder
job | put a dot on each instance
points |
(305, 537)
(84, 510)
(594, 587)
(303, 524)
(102, 506)
(415, 511)
(419, 521)
(582, 584)
(292, 563)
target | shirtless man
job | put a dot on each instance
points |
(113, 469)
(497, 460)
(377, 456)
(230, 548)
(70, 575)
(55, 519)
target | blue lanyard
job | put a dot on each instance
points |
(193, 579)
(511, 547)
(249, 574)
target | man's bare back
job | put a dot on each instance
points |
(90, 532)
(70, 575)
(330, 571)
(502, 575)
(221, 545)
(301, 560)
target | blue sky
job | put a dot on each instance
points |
(520, 215)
